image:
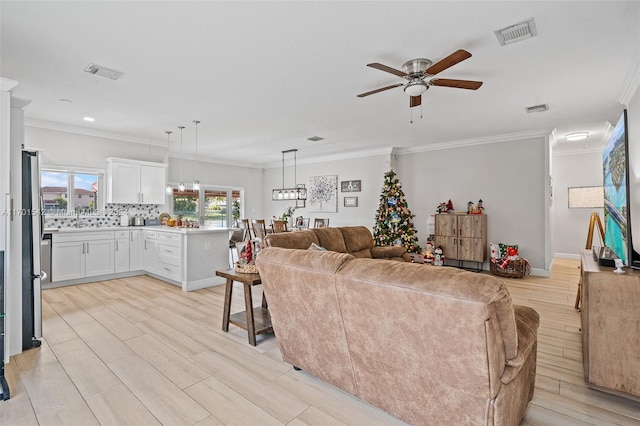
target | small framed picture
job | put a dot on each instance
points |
(301, 204)
(351, 201)
(351, 186)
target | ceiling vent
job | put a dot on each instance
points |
(103, 71)
(538, 108)
(517, 32)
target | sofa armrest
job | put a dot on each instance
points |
(390, 252)
(527, 322)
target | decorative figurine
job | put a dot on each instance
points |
(428, 252)
(470, 208)
(479, 206)
(438, 256)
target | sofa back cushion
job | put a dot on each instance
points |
(292, 240)
(416, 330)
(358, 240)
(299, 287)
(331, 239)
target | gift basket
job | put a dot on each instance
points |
(506, 263)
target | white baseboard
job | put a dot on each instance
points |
(572, 256)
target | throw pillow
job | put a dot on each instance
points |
(495, 250)
(504, 248)
(314, 246)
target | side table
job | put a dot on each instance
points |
(255, 320)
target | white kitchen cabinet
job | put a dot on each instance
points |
(150, 251)
(135, 182)
(136, 246)
(163, 254)
(122, 251)
(82, 254)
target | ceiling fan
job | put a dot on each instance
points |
(420, 73)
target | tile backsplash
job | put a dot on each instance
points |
(110, 216)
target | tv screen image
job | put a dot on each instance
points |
(615, 172)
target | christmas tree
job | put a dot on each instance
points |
(394, 221)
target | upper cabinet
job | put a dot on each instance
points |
(135, 182)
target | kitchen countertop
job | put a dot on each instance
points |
(173, 230)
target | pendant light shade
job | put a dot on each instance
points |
(196, 182)
(287, 194)
(181, 185)
(168, 132)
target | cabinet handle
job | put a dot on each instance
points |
(117, 249)
(83, 251)
(145, 244)
(142, 197)
(131, 236)
(87, 247)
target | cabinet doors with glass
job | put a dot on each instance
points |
(462, 237)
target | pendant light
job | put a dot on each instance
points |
(196, 182)
(168, 132)
(286, 194)
(181, 185)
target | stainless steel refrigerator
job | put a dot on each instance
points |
(32, 233)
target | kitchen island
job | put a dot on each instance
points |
(186, 257)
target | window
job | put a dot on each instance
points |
(57, 185)
(209, 206)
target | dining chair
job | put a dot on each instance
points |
(280, 226)
(259, 231)
(246, 228)
(320, 222)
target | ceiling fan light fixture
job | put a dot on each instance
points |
(576, 136)
(415, 87)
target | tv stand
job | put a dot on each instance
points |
(610, 321)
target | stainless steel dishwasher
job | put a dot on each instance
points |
(45, 254)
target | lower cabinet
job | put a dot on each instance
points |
(163, 254)
(136, 242)
(82, 254)
(122, 251)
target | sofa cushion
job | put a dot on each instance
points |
(331, 239)
(358, 240)
(292, 240)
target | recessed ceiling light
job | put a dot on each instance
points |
(537, 108)
(577, 136)
(65, 100)
(91, 119)
(315, 138)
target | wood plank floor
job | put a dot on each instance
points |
(139, 351)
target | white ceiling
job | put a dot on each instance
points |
(264, 76)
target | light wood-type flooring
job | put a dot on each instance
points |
(142, 352)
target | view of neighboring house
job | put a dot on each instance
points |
(57, 198)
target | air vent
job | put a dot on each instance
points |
(103, 71)
(315, 138)
(538, 108)
(517, 32)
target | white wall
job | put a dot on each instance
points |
(370, 170)
(71, 149)
(510, 177)
(570, 226)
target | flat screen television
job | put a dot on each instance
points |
(617, 218)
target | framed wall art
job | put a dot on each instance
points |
(322, 194)
(351, 201)
(351, 186)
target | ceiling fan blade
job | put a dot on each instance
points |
(415, 101)
(457, 56)
(387, 69)
(458, 84)
(362, 95)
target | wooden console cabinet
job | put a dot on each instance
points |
(610, 328)
(462, 236)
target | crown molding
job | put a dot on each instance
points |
(7, 85)
(509, 137)
(337, 157)
(79, 130)
(631, 82)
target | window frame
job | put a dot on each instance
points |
(201, 201)
(71, 171)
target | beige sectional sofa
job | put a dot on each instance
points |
(430, 345)
(355, 240)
